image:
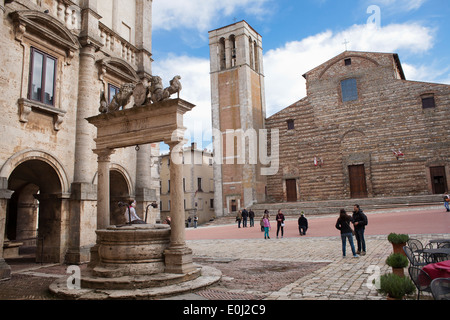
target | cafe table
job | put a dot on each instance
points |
(438, 270)
(439, 242)
(435, 253)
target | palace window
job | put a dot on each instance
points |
(199, 183)
(349, 90)
(112, 91)
(42, 77)
(348, 62)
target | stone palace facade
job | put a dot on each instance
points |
(57, 58)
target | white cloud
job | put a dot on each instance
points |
(428, 73)
(285, 66)
(196, 84)
(200, 14)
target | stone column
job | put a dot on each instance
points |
(86, 99)
(103, 207)
(178, 257)
(228, 53)
(5, 195)
(83, 190)
(144, 37)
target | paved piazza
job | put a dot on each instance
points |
(341, 279)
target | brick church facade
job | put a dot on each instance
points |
(362, 131)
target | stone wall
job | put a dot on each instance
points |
(90, 56)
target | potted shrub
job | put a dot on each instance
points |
(398, 242)
(397, 261)
(395, 287)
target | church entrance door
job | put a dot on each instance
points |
(291, 190)
(358, 185)
(438, 179)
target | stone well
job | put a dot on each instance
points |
(131, 250)
(131, 265)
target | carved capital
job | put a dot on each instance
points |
(104, 155)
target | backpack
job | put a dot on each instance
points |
(366, 221)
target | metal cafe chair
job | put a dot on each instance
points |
(440, 288)
(421, 280)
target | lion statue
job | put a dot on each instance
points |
(120, 100)
(175, 86)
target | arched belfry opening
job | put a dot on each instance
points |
(222, 54)
(233, 50)
(34, 216)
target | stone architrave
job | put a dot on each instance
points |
(152, 123)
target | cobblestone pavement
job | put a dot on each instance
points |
(292, 268)
(329, 275)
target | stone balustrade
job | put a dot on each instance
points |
(116, 46)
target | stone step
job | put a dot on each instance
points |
(333, 206)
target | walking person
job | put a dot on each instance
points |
(261, 223)
(189, 220)
(267, 226)
(251, 216)
(446, 201)
(360, 222)
(239, 218)
(244, 218)
(343, 224)
(302, 224)
(195, 221)
(280, 223)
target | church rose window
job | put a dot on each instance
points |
(42, 77)
(349, 90)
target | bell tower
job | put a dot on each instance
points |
(238, 113)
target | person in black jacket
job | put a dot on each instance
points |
(360, 222)
(302, 224)
(343, 224)
(244, 218)
(280, 223)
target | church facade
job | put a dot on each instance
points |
(362, 131)
(58, 57)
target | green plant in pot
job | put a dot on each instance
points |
(395, 287)
(397, 261)
(398, 242)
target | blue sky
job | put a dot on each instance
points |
(297, 37)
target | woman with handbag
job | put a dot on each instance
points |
(343, 224)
